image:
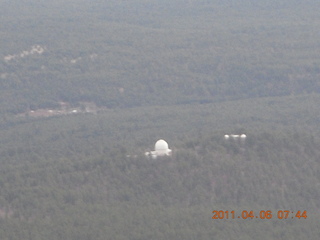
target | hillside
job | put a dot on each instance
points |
(87, 87)
(86, 176)
(120, 54)
(114, 196)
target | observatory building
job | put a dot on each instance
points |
(161, 148)
(234, 136)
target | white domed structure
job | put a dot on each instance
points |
(161, 148)
(161, 145)
(243, 136)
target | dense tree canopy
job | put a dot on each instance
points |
(126, 54)
(86, 176)
(86, 87)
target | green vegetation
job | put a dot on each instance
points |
(86, 176)
(128, 54)
(186, 71)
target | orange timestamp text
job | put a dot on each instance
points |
(263, 214)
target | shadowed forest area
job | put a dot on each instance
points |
(86, 88)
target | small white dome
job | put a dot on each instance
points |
(161, 145)
(243, 136)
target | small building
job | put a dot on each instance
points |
(235, 136)
(161, 148)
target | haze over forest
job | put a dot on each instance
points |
(86, 87)
(137, 53)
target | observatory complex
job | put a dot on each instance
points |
(161, 148)
(235, 136)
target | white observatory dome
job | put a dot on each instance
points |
(161, 148)
(161, 145)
